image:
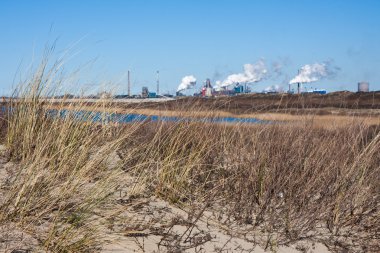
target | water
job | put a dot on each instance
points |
(121, 118)
(132, 117)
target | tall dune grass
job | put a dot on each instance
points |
(271, 184)
(61, 173)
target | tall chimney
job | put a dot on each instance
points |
(129, 84)
(298, 85)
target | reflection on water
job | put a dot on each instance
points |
(131, 117)
(102, 117)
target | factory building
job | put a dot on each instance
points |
(146, 94)
(320, 91)
(239, 89)
(363, 87)
(207, 89)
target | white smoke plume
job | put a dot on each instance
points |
(314, 72)
(274, 88)
(187, 83)
(252, 73)
(218, 86)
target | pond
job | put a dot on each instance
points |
(132, 117)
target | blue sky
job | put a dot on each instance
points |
(207, 39)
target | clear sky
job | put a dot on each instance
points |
(207, 39)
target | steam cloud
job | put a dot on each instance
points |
(252, 73)
(187, 83)
(273, 88)
(314, 72)
(218, 86)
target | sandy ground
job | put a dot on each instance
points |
(12, 238)
(164, 228)
(149, 224)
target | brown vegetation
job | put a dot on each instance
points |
(253, 103)
(279, 183)
(67, 184)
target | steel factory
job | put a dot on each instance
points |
(208, 90)
(241, 83)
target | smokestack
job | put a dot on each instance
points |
(298, 84)
(129, 84)
(158, 82)
(208, 83)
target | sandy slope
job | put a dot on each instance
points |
(165, 228)
(149, 224)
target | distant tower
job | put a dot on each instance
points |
(208, 83)
(129, 83)
(208, 88)
(363, 87)
(145, 92)
(158, 82)
(298, 85)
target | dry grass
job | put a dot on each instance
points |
(321, 121)
(61, 174)
(271, 184)
(281, 183)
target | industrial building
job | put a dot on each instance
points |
(363, 87)
(145, 93)
(209, 91)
